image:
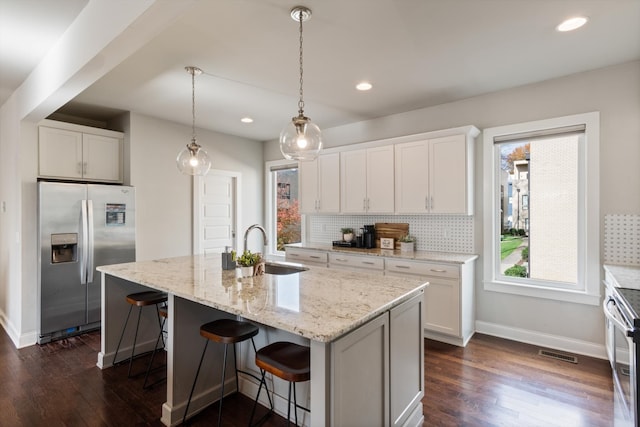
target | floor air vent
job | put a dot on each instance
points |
(558, 356)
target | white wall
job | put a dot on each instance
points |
(164, 195)
(615, 92)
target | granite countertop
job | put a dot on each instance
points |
(454, 258)
(626, 276)
(320, 304)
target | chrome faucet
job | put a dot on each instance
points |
(264, 234)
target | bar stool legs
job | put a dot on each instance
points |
(162, 312)
(140, 299)
(226, 331)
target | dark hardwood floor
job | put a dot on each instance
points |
(491, 382)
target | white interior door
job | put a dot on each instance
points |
(215, 211)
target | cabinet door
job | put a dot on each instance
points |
(442, 306)
(308, 186)
(412, 177)
(448, 175)
(59, 153)
(353, 181)
(102, 158)
(380, 179)
(406, 357)
(360, 375)
(329, 183)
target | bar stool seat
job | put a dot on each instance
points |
(225, 331)
(288, 361)
(140, 300)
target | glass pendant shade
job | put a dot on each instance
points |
(193, 160)
(301, 139)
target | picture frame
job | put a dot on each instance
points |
(386, 243)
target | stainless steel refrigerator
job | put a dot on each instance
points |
(80, 227)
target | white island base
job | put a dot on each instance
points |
(369, 374)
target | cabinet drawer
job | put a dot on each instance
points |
(423, 268)
(303, 256)
(373, 263)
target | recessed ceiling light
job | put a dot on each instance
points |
(572, 24)
(246, 120)
(364, 86)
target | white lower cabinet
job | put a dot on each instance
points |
(449, 310)
(389, 381)
(449, 307)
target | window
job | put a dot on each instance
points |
(283, 205)
(542, 238)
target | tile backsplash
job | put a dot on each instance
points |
(622, 239)
(442, 233)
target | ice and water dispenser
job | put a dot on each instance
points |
(64, 247)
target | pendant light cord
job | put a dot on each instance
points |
(193, 105)
(301, 101)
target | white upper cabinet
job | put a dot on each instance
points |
(320, 184)
(412, 177)
(367, 180)
(435, 175)
(75, 152)
(59, 153)
(102, 156)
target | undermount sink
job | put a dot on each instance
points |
(281, 269)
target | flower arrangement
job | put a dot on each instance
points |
(407, 239)
(248, 259)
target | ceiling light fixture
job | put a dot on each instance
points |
(193, 159)
(246, 120)
(301, 139)
(364, 86)
(572, 24)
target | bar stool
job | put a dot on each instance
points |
(164, 313)
(140, 300)
(225, 331)
(286, 360)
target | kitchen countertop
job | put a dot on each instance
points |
(320, 304)
(454, 258)
(626, 276)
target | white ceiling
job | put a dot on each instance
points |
(416, 53)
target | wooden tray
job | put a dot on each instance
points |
(393, 230)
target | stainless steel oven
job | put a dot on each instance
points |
(623, 335)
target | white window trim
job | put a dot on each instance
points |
(588, 254)
(271, 219)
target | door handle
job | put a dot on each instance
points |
(85, 243)
(91, 242)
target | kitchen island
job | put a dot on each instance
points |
(365, 334)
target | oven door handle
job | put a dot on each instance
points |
(607, 312)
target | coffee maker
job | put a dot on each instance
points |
(369, 237)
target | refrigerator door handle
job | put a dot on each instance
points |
(91, 241)
(85, 244)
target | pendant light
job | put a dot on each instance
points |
(301, 139)
(193, 159)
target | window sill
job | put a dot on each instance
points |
(576, 297)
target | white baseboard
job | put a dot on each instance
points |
(19, 341)
(556, 342)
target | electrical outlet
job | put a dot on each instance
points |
(445, 233)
